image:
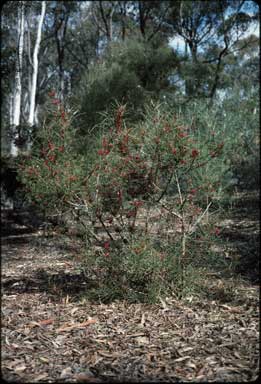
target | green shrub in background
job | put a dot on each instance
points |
(132, 72)
(53, 172)
(137, 201)
(234, 120)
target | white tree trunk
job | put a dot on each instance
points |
(31, 119)
(18, 80)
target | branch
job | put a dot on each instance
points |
(199, 219)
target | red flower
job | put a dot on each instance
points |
(51, 93)
(194, 153)
(106, 245)
(51, 146)
(119, 117)
(119, 193)
(63, 116)
(193, 191)
(131, 213)
(72, 178)
(123, 148)
(137, 203)
(167, 128)
(182, 134)
(104, 142)
(174, 151)
(51, 158)
(103, 152)
(126, 138)
(56, 101)
(43, 152)
(217, 231)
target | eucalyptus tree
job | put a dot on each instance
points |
(23, 37)
(8, 66)
(31, 117)
(210, 31)
(15, 105)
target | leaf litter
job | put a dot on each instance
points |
(49, 335)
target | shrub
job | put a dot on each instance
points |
(130, 72)
(137, 202)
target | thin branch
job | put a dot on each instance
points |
(199, 219)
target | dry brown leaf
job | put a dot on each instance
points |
(77, 325)
(142, 319)
(86, 378)
(20, 368)
(231, 309)
(110, 355)
(143, 340)
(136, 334)
(66, 372)
(40, 377)
(43, 359)
(164, 305)
(75, 309)
(182, 358)
(46, 322)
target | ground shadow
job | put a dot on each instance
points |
(243, 235)
(59, 284)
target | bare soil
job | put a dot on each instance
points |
(51, 333)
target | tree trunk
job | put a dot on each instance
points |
(18, 81)
(60, 33)
(191, 83)
(31, 118)
(142, 20)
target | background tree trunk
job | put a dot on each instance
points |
(18, 81)
(31, 118)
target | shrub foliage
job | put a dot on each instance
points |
(141, 202)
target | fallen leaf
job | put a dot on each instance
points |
(20, 368)
(231, 309)
(137, 334)
(143, 340)
(164, 305)
(44, 359)
(77, 325)
(40, 377)
(108, 354)
(46, 322)
(75, 309)
(66, 372)
(186, 349)
(40, 323)
(87, 378)
(182, 358)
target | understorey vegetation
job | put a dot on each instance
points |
(140, 199)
